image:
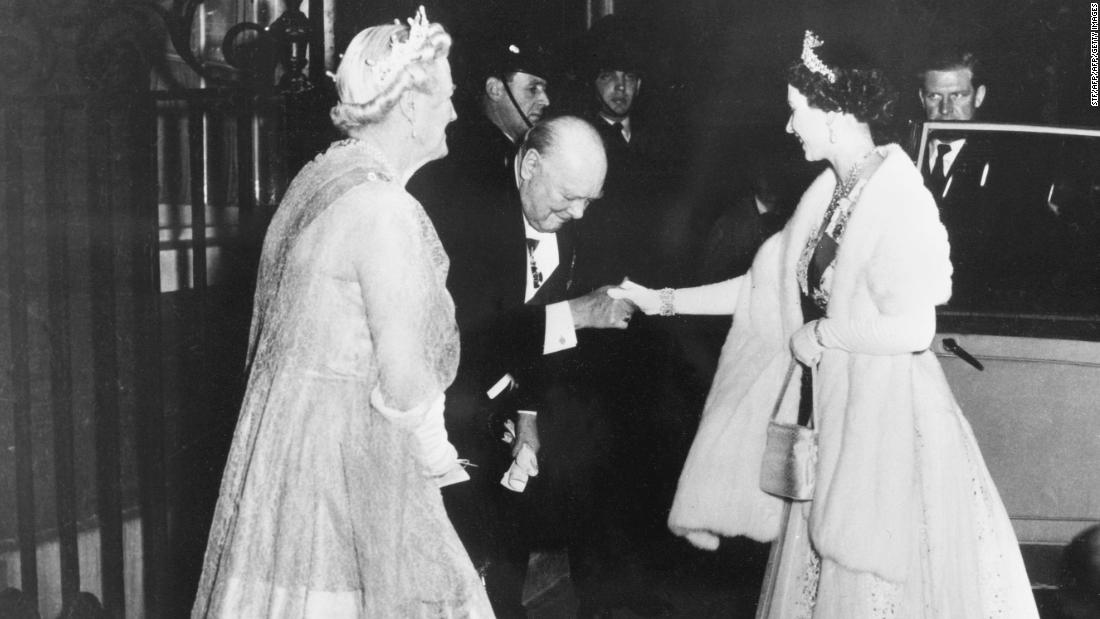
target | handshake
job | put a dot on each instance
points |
(611, 307)
(648, 300)
(807, 343)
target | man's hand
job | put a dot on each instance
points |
(527, 431)
(597, 310)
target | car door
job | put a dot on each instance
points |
(1020, 338)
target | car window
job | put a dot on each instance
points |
(1022, 210)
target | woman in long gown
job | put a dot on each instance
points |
(904, 519)
(330, 504)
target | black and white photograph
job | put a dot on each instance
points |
(550, 309)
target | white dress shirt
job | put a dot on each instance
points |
(949, 158)
(561, 333)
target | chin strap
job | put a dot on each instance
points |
(512, 98)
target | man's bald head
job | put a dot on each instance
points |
(561, 170)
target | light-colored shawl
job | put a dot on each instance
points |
(894, 258)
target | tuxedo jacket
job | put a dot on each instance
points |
(500, 332)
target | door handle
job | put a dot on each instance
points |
(953, 347)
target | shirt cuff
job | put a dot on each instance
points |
(525, 412)
(561, 334)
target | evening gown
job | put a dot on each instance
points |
(980, 544)
(905, 521)
(323, 510)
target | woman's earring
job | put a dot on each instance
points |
(832, 135)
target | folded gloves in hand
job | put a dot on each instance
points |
(524, 466)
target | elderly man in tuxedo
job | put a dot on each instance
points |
(511, 277)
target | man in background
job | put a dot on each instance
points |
(506, 96)
(952, 89)
(957, 165)
(625, 377)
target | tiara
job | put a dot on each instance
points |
(402, 53)
(810, 59)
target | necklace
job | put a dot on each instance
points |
(382, 163)
(845, 187)
(835, 221)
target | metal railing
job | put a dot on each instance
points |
(121, 392)
(80, 320)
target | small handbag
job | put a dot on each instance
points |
(790, 454)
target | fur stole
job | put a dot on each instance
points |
(894, 257)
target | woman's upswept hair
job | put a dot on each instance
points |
(369, 87)
(851, 83)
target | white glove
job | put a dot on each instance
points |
(435, 453)
(646, 299)
(805, 345)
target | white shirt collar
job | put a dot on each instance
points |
(625, 122)
(949, 158)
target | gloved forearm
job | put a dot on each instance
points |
(436, 455)
(880, 335)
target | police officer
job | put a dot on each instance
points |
(505, 94)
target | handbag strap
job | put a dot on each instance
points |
(783, 389)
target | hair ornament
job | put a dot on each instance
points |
(402, 53)
(810, 59)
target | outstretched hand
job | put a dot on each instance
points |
(645, 299)
(599, 310)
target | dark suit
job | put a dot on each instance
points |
(618, 234)
(500, 333)
(475, 206)
(967, 209)
(1016, 234)
(488, 277)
